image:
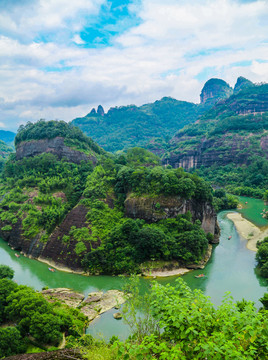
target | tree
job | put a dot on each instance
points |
(192, 328)
(11, 342)
(6, 272)
(46, 328)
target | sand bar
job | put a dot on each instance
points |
(248, 230)
(166, 273)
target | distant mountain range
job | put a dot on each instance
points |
(7, 136)
(152, 125)
(225, 136)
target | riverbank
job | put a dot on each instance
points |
(59, 267)
(248, 230)
(164, 271)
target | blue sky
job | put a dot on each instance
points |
(59, 58)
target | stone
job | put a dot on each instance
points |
(54, 146)
(64, 295)
(117, 315)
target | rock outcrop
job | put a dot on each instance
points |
(242, 83)
(54, 146)
(57, 251)
(100, 110)
(220, 151)
(163, 207)
(215, 90)
(95, 304)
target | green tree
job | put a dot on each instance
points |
(11, 342)
(6, 272)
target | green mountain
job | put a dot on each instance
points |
(229, 143)
(127, 126)
(7, 136)
(215, 90)
(65, 200)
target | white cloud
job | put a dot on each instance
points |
(176, 46)
(77, 39)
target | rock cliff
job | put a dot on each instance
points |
(231, 132)
(163, 207)
(55, 146)
(215, 90)
(58, 250)
(220, 151)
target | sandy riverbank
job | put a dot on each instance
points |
(52, 264)
(248, 230)
(166, 273)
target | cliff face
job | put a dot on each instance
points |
(232, 131)
(214, 90)
(220, 151)
(55, 146)
(163, 207)
(56, 250)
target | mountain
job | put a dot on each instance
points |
(7, 136)
(233, 133)
(242, 83)
(152, 125)
(58, 138)
(215, 90)
(66, 201)
(127, 126)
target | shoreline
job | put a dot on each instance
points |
(57, 266)
(154, 273)
(247, 230)
(166, 273)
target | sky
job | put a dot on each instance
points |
(60, 58)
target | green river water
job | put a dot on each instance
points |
(231, 268)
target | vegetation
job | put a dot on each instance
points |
(262, 257)
(42, 129)
(127, 243)
(223, 201)
(30, 187)
(192, 328)
(39, 192)
(6, 272)
(228, 143)
(136, 126)
(31, 316)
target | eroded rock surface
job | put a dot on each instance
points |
(54, 146)
(96, 303)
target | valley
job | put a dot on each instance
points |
(76, 216)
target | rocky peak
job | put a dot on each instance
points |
(92, 112)
(215, 90)
(100, 110)
(242, 83)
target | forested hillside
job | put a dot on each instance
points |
(128, 126)
(76, 213)
(229, 144)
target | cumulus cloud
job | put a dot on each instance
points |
(49, 70)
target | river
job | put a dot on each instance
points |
(231, 268)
